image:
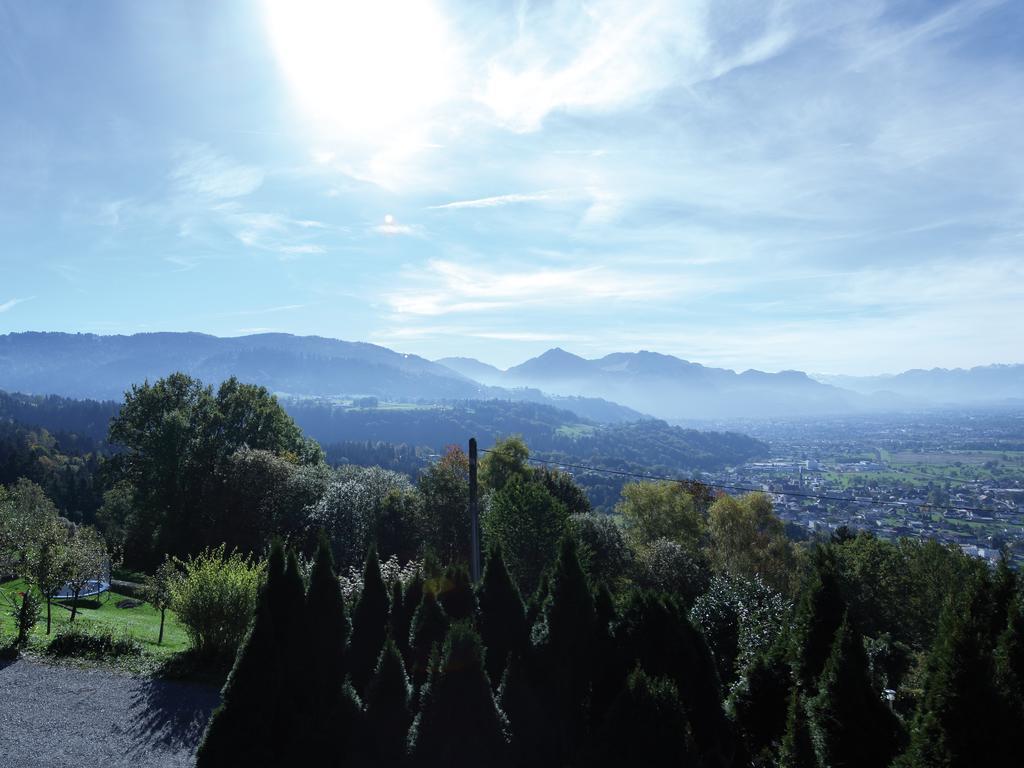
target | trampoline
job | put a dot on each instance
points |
(92, 589)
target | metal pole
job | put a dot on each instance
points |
(474, 515)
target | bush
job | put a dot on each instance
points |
(215, 599)
(93, 643)
(25, 613)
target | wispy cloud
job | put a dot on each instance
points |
(203, 172)
(496, 201)
(7, 306)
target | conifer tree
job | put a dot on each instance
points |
(456, 593)
(759, 701)
(848, 722)
(536, 601)
(608, 680)
(520, 695)
(369, 624)
(429, 626)
(1009, 663)
(388, 709)
(247, 727)
(797, 751)
(645, 725)
(653, 631)
(459, 724)
(328, 628)
(502, 621)
(401, 620)
(563, 636)
(957, 722)
(819, 614)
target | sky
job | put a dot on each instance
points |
(828, 186)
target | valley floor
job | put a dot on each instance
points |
(88, 718)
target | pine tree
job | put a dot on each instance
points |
(429, 626)
(1009, 663)
(502, 622)
(327, 634)
(369, 624)
(388, 708)
(563, 636)
(459, 724)
(536, 601)
(247, 727)
(848, 722)
(520, 695)
(456, 593)
(645, 725)
(797, 751)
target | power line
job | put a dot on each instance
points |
(728, 487)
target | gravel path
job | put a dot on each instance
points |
(60, 716)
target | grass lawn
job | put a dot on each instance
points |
(142, 622)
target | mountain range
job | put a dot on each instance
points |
(620, 387)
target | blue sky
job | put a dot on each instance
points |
(836, 187)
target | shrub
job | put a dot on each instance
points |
(94, 643)
(26, 614)
(215, 599)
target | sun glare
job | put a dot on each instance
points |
(362, 69)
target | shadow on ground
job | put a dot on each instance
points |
(171, 714)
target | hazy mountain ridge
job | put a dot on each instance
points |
(983, 383)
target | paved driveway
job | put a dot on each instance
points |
(59, 716)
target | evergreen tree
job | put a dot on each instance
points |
(520, 695)
(797, 751)
(819, 614)
(536, 601)
(957, 722)
(563, 636)
(848, 722)
(388, 712)
(759, 701)
(456, 593)
(429, 626)
(459, 724)
(324, 711)
(369, 624)
(502, 622)
(401, 620)
(654, 631)
(1009, 663)
(607, 682)
(248, 726)
(645, 725)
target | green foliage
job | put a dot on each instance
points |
(603, 551)
(668, 566)
(818, 616)
(659, 510)
(749, 541)
(444, 523)
(797, 750)
(527, 522)
(215, 598)
(848, 722)
(159, 590)
(76, 640)
(563, 487)
(758, 702)
(455, 593)
(177, 439)
(388, 708)
(502, 616)
(86, 561)
(739, 618)
(429, 626)
(25, 613)
(459, 723)
(563, 636)
(369, 624)
(646, 725)
(506, 461)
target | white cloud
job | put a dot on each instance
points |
(203, 172)
(12, 303)
(496, 201)
(447, 287)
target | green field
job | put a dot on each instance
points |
(141, 622)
